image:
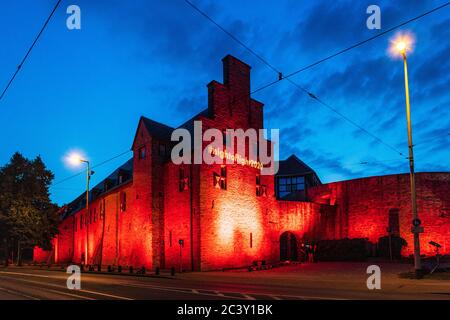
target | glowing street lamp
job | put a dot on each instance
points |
(400, 45)
(76, 159)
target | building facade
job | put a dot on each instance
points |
(152, 212)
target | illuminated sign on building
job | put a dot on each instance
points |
(236, 158)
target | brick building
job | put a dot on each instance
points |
(151, 212)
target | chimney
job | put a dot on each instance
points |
(236, 75)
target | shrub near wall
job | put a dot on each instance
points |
(357, 249)
(397, 244)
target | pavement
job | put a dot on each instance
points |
(335, 281)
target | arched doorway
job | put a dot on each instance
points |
(288, 247)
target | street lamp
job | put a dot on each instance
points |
(400, 45)
(76, 159)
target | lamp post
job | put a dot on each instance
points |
(88, 216)
(76, 159)
(402, 45)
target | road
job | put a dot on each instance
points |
(314, 281)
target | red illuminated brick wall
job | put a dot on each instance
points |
(234, 227)
(363, 207)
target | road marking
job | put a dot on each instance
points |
(218, 293)
(25, 274)
(68, 294)
(274, 297)
(225, 293)
(246, 296)
(17, 293)
(82, 290)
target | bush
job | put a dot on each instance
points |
(397, 244)
(357, 249)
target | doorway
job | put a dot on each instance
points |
(288, 247)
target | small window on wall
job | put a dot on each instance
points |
(261, 189)
(123, 202)
(251, 240)
(394, 222)
(75, 223)
(162, 150)
(95, 214)
(170, 238)
(102, 209)
(220, 180)
(183, 180)
(81, 222)
(141, 153)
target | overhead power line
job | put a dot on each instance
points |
(29, 50)
(93, 167)
(426, 141)
(366, 40)
(311, 95)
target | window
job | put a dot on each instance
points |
(251, 240)
(95, 214)
(220, 180)
(141, 153)
(75, 223)
(394, 222)
(287, 185)
(183, 180)
(162, 150)
(123, 202)
(81, 222)
(261, 189)
(102, 209)
(170, 238)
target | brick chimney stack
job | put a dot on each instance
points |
(236, 75)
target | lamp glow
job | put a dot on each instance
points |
(401, 43)
(74, 158)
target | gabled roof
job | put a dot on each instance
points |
(294, 166)
(157, 129)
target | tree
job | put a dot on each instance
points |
(27, 216)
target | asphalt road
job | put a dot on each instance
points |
(318, 281)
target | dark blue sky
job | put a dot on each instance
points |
(86, 89)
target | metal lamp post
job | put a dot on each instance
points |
(402, 47)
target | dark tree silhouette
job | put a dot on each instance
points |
(27, 216)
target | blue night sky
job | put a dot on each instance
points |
(86, 89)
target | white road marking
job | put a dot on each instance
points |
(82, 290)
(25, 274)
(218, 293)
(246, 296)
(17, 293)
(274, 297)
(69, 294)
